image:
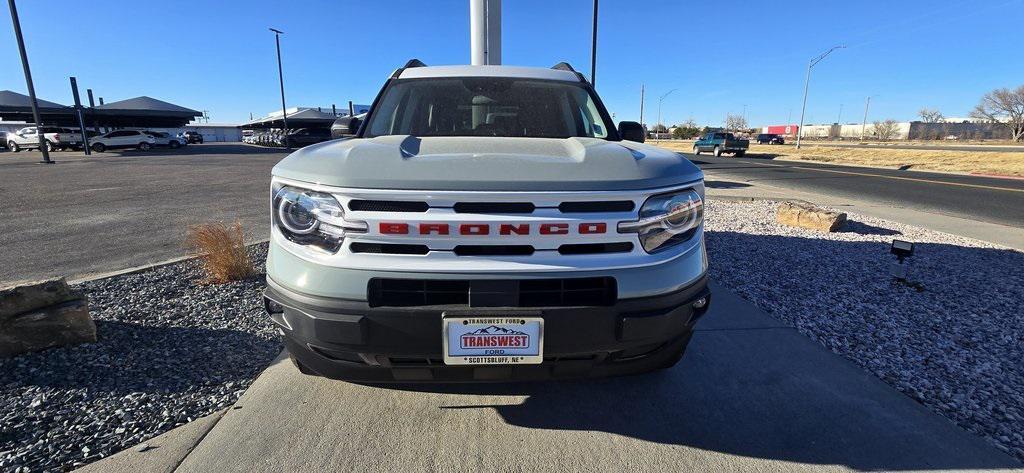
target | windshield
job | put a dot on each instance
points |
(487, 106)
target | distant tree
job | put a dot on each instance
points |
(687, 129)
(735, 122)
(931, 116)
(1004, 107)
(659, 128)
(886, 130)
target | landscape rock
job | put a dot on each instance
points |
(808, 216)
(57, 325)
(29, 296)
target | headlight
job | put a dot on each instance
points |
(667, 220)
(312, 218)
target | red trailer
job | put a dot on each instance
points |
(785, 130)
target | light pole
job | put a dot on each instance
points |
(28, 82)
(593, 50)
(662, 99)
(280, 78)
(864, 124)
(839, 123)
(807, 83)
(641, 104)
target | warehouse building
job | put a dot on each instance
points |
(962, 129)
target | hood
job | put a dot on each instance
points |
(487, 164)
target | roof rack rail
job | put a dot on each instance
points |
(563, 66)
(412, 63)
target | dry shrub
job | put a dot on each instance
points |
(222, 248)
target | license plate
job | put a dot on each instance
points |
(493, 340)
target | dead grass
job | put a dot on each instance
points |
(222, 249)
(977, 162)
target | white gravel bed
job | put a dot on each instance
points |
(170, 350)
(957, 346)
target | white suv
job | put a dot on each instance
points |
(123, 139)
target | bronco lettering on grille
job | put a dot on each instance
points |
(505, 229)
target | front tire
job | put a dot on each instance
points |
(50, 147)
(99, 147)
(144, 146)
(13, 146)
(696, 150)
(174, 145)
(718, 151)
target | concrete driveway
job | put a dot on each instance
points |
(750, 395)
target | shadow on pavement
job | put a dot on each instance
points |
(724, 185)
(770, 392)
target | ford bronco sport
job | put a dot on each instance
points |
(486, 223)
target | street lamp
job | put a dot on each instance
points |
(864, 124)
(807, 82)
(662, 99)
(280, 78)
(28, 82)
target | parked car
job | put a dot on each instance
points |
(57, 139)
(123, 139)
(193, 137)
(718, 142)
(372, 277)
(301, 137)
(166, 139)
(770, 139)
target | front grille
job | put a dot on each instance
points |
(495, 207)
(387, 206)
(560, 292)
(595, 248)
(493, 250)
(389, 248)
(597, 206)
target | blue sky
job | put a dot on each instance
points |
(219, 56)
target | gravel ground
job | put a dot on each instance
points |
(170, 350)
(952, 341)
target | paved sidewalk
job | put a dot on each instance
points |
(750, 395)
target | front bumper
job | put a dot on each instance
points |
(346, 339)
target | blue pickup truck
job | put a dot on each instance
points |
(718, 142)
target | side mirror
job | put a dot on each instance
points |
(632, 131)
(345, 126)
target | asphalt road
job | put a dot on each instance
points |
(750, 395)
(118, 210)
(988, 199)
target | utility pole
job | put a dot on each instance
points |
(662, 99)
(593, 50)
(280, 78)
(641, 104)
(28, 82)
(864, 124)
(81, 120)
(807, 83)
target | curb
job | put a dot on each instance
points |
(146, 267)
